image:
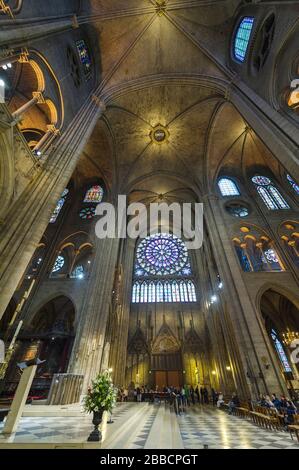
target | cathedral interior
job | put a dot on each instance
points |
(163, 101)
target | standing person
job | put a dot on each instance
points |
(125, 394)
(220, 400)
(192, 394)
(187, 394)
(206, 396)
(174, 402)
(201, 395)
(214, 397)
(139, 394)
(183, 398)
(135, 394)
(197, 393)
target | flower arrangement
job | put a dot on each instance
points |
(102, 395)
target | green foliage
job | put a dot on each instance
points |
(102, 395)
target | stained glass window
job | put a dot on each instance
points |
(269, 194)
(78, 273)
(191, 292)
(281, 353)
(162, 271)
(163, 291)
(243, 258)
(162, 254)
(237, 210)
(228, 187)
(87, 213)
(271, 255)
(271, 259)
(59, 206)
(94, 194)
(84, 58)
(293, 183)
(59, 263)
(242, 38)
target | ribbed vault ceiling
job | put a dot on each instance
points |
(158, 69)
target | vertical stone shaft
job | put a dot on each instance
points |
(27, 219)
(90, 336)
(118, 353)
(251, 341)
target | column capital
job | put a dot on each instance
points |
(99, 102)
(5, 9)
(53, 129)
(24, 56)
(38, 96)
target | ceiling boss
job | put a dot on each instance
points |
(160, 6)
(159, 134)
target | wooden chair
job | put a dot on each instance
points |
(261, 418)
(294, 428)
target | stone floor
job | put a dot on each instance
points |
(148, 426)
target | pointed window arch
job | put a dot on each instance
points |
(281, 352)
(134, 292)
(59, 206)
(269, 194)
(228, 187)
(191, 292)
(94, 194)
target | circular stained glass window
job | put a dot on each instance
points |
(87, 213)
(237, 210)
(162, 254)
(261, 180)
(59, 263)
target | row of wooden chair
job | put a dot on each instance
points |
(267, 418)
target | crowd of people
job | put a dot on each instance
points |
(281, 405)
(189, 395)
(184, 396)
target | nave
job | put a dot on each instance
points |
(150, 426)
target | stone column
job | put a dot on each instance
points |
(217, 326)
(90, 335)
(251, 341)
(118, 351)
(37, 98)
(51, 132)
(27, 218)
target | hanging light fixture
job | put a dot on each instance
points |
(289, 336)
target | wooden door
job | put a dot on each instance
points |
(173, 378)
(161, 379)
